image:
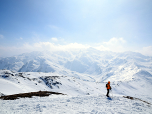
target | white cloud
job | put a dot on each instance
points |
(115, 41)
(74, 46)
(101, 48)
(146, 51)
(1, 36)
(115, 44)
(58, 47)
(54, 39)
(41, 46)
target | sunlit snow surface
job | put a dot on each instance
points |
(82, 96)
(96, 104)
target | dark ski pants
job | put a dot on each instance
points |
(107, 93)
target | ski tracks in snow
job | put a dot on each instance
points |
(74, 105)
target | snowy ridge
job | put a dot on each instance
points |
(33, 81)
(82, 96)
(17, 82)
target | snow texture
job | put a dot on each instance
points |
(97, 104)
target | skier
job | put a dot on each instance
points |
(108, 88)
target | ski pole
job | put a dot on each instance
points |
(112, 93)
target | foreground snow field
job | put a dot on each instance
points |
(88, 104)
(82, 96)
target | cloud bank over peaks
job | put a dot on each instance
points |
(146, 51)
(115, 41)
(57, 47)
(114, 44)
(40, 46)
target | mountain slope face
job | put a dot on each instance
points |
(89, 64)
(81, 96)
(17, 82)
(23, 82)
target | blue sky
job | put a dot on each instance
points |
(118, 25)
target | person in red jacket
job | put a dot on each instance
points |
(108, 88)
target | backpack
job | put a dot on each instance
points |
(106, 85)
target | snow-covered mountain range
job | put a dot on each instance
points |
(90, 64)
(80, 73)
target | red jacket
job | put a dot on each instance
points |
(108, 85)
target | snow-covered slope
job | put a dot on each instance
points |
(16, 82)
(96, 104)
(34, 81)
